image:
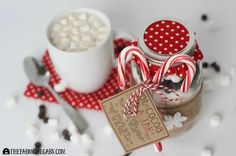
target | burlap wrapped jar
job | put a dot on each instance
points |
(160, 40)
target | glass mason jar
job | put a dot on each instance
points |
(159, 41)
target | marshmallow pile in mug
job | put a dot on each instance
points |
(78, 31)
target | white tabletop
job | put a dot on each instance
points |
(22, 32)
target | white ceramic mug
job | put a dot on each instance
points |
(84, 71)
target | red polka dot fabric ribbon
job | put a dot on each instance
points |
(78, 100)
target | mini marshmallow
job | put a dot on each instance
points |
(54, 136)
(86, 37)
(67, 28)
(85, 154)
(54, 35)
(233, 71)
(73, 46)
(83, 16)
(53, 122)
(63, 21)
(76, 23)
(94, 33)
(79, 23)
(205, 73)
(83, 45)
(92, 18)
(84, 28)
(206, 152)
(11, 102)
(97, 42)
(102, 29)
(167, 77)
(72, 128)
(82, 49)
(212, 25)
(175, 78)
(71, 17)
(96, 23)
(65, 41)
(56, 27)
(59, 46)
(59, 88)
(56, 40)
(208, 84)
(75, 38)
(215, 120)
(101, 36)
(75, 137)
(108, 130)
(86, 139)
(32, 131)
(224, 80)
(62, 34)
(75, 31)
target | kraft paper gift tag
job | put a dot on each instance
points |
(135, 131)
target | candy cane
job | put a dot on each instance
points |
(134, 51)
(158, 146)
(179, 58)
(130, 107)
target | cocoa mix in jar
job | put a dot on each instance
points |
(162, 39)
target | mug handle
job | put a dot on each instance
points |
(120, 34)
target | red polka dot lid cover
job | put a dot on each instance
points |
(168, 37)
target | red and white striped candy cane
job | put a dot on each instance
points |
(179, 58)
(134, 51)
(131, 104)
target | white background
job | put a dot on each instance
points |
(22, 32)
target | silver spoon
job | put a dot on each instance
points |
(40, 77)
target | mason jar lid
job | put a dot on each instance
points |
(166, 37)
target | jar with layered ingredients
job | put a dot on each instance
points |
(160, 40)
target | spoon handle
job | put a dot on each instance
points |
(71, 112)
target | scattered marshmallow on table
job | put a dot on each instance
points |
(223, 80)
(86, 139)
(108, 130)
(215, 120)
(54, 136)
(72, 128)
(212, 25)
(59, 88)
(53, 122)
(233, 71)
(75, 137)
(207, 152)
(32, 131)
(11, 102)
(85, 154)
(208, 84)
